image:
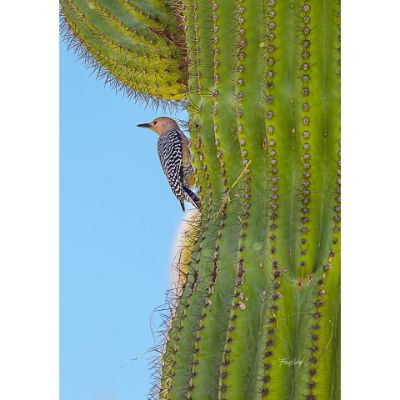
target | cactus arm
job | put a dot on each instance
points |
(117, 59)
(149, 18)
(113, 20)
(134, 52)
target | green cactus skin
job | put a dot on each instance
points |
(263, 287)
(261, 82)
(137, 45)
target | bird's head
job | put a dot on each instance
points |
(160, 125)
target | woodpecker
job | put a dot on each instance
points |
(174, 155)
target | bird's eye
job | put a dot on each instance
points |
(154, 123)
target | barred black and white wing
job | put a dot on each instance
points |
(170, 152)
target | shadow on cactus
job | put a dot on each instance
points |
(257, 313)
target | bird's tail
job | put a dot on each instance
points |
(192, 198)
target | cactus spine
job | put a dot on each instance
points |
(258, 314)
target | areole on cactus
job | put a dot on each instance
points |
(258, 312)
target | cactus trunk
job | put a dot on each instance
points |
(259, 314)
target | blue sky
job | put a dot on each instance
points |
(118, 225)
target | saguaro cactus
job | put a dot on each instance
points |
(259, 313)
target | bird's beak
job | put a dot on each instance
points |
(144, 126)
